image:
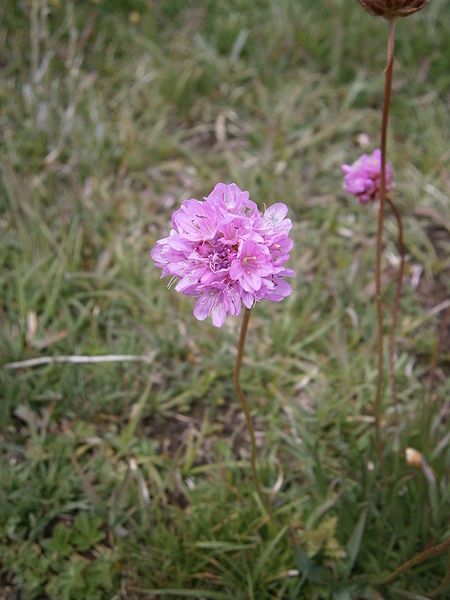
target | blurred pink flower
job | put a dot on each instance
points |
(227, 253)
(363, 177)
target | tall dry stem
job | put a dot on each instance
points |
(396, 305)
(379, 242)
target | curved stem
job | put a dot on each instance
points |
(379, 303)
(244, 403)
(396, 305)
(416, 560)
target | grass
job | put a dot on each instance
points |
(133, 481)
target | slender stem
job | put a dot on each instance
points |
(396, 305)
(416, 560)
(379, 303)
(244, 403)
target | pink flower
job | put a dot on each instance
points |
(363, 177)
(227, 253)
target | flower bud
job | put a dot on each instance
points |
(390, 9)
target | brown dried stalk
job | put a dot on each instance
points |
(246, 410)
(396, 305)
(379, 246)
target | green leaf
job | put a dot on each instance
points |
(86, 532)
(342, 595)
(59, 545)
(183, 593)
(70, 583)
(354, 542)
(99, 574)
(268, 552)
(323, 538)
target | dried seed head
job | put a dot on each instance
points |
(413, 457)
(390, 9)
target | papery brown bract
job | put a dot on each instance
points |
(391, 9)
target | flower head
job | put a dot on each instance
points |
(390, 9)
(363, 177)
(227, 253)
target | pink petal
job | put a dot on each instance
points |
(248, 299)
(219, 314)
(276, 212)
(202, 308)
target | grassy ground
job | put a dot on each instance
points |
(132, 480)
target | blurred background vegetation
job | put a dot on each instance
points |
(132, 480)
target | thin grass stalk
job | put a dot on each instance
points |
(396, 305)
(379, 239)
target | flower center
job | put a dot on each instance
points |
(218, 255)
